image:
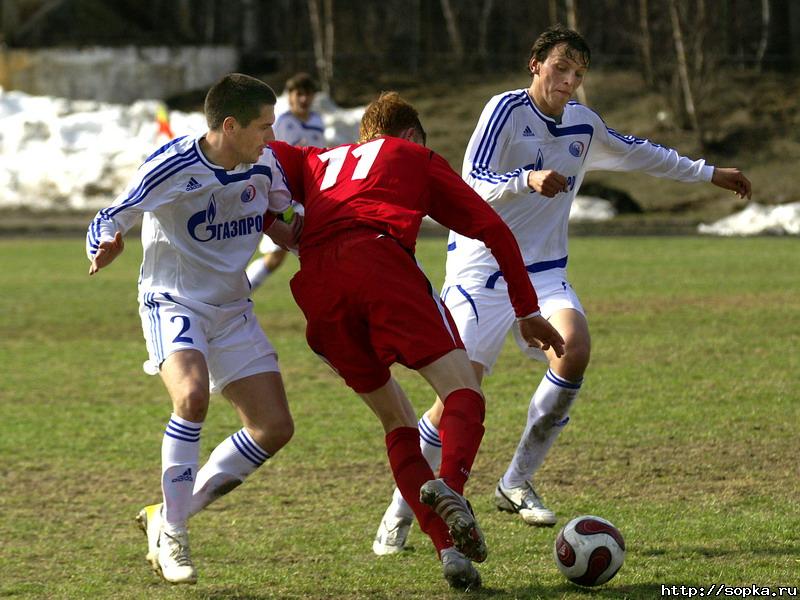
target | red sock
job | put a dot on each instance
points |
(411, 470)
(461, 430)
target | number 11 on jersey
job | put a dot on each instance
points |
(334, 159)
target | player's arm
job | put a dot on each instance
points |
(104, 241)
(287, 185)
(484, 151)
(456, 206)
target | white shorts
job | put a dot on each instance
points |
(229, 336)
(484, 316)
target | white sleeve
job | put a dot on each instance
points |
(144, 194)
(612, 151)
(481, 169)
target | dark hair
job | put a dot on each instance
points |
(558, 34)
(303, 82)
(238, 96)
(389, 114)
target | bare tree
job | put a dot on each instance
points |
(762, 44)
(323, 30)
(646, 43)
(483, 30)
(683, 70)
(452, 30)
(572, 23)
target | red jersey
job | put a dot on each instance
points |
(389, 184)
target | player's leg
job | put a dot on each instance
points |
(483, 318)
(548, 413)
(412, 473)
(185, 375)
(243, 366)
(260, 401)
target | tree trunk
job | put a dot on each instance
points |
(683, 71)
(483, 31)
(552, 11)
(572, 23)
(762, 45)
(646, 43)
(323, 42)
(452, 30)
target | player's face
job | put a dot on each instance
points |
(251, 140)
(300, 103)
(556, 79)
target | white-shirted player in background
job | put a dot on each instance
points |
(299, 126)
(203, 201)
(527, 158)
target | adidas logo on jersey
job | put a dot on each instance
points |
(193, 184)
(185, 476)
(527, 132)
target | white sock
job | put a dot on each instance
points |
(547, 416)
(180, 449)
(228, 466)
(257, 272)
(431, 446)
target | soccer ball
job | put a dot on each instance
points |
(589, 550)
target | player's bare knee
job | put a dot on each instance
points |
(273, 436)
(192, 405)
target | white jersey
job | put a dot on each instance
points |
(201, 223)
(514, 137)
(292, 130)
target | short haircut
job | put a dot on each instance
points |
(301, 82)
(389, 114)
(239, 96)
(558, 34)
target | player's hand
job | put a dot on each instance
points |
(547, 183)
(106, 253)
(283, 234)
(538, 332)
(730, 178)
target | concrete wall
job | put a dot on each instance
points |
(115, 74)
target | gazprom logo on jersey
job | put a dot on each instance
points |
(576, 148)
(224, 230)
(249, 193)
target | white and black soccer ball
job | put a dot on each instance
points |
(589, 550)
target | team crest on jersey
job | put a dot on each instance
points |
(202, 227)
(249, 193)
(539, 165)
(576, 148)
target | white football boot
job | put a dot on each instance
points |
(149, 521)
(173, 558)
(525, 502)
(459, 571)
(392, 533)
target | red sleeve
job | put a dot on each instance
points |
(290, 162)
(458, 207)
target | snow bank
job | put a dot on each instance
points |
(77, 154)
(758, 219)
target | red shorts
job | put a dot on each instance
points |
(368, 305)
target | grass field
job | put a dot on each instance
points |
(685, 436)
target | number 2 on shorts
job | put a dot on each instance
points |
(180, 337)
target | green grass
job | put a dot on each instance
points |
(685, 436)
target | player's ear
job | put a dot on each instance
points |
(407, 134)
(229, 124)
(533, 66)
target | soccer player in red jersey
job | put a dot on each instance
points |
(369, 305)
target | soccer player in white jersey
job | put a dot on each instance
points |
(299, 126)
(203, 201)
(527, 158)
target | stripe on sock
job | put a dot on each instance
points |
(561, 382)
